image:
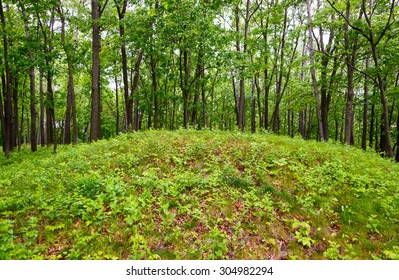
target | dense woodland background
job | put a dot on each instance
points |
(77, 71)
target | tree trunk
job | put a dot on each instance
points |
(121, 9)
(7, 127)
(3, 89)
(15, 137)
(365, 108)
(258, 99)
(117, 105)
(41, 121)
(95, 128)
(135, 75)
(313, 73)
(381, 86)
(185, 76)
(253, 110)
(397, 136)
(350, 62)
(309, 132)
(302, 124)
(70, 104)
(154, 90)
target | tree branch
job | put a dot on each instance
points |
(348, 22)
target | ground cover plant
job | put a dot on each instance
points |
(199, 195)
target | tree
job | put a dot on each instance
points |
(313, 71)
(374, 36)
(32, 81)
(7, 109)
(95, 128)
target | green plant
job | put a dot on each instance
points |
(302, 233)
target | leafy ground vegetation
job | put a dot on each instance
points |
(199, 195)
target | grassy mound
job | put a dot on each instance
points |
(199, 195)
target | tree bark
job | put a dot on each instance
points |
(42, 110)
(95, 128)
(365, 107)
(121, 9)
(350, 63)
(32, 85)
(135, 86)
(397, 137)
(15, 137)
(7, 126)
(313, 73)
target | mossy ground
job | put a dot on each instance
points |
(199, 195)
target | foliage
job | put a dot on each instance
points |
(199, 195)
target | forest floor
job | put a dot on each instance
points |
(199, 195)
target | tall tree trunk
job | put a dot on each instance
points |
(265, 75)
(185, 76)
(135, 86)
(15, 137)
(372, 118)
(253, 110)
(154, 90)
(7, 126)
(117, 105)
(313, 72)
(302, 124)
(350, 63)
(95, 128)
(3, 89)
(381, 86)
(199, 83)
(310, 121)
(42, 110)
(279, 78)
(236, 98)
(397, 137)
(121, 9)
(365, 107)
(70, 104)
(32, 86)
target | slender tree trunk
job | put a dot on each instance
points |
(258, 99)
(302, 124)
(3, 89)
(185, 76)
(154, 89)
(313, 72)
(236, 98)
(70, 107)
(22, 116)
(397, 137)
(381, 86)
(253, 110)
(42, 110)
(70, 104)
(310, 120)
(265, 75)
(205, 119)
(279, 78)
(365, 107)
(15, 137)
(121, 9)
(117, 105)
(350, 62)
(134, 94)
(7, 127)
(95, 128)
(199, 83)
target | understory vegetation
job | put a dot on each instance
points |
(199, 195)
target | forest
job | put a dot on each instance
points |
(75, 71)
(199, 129)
